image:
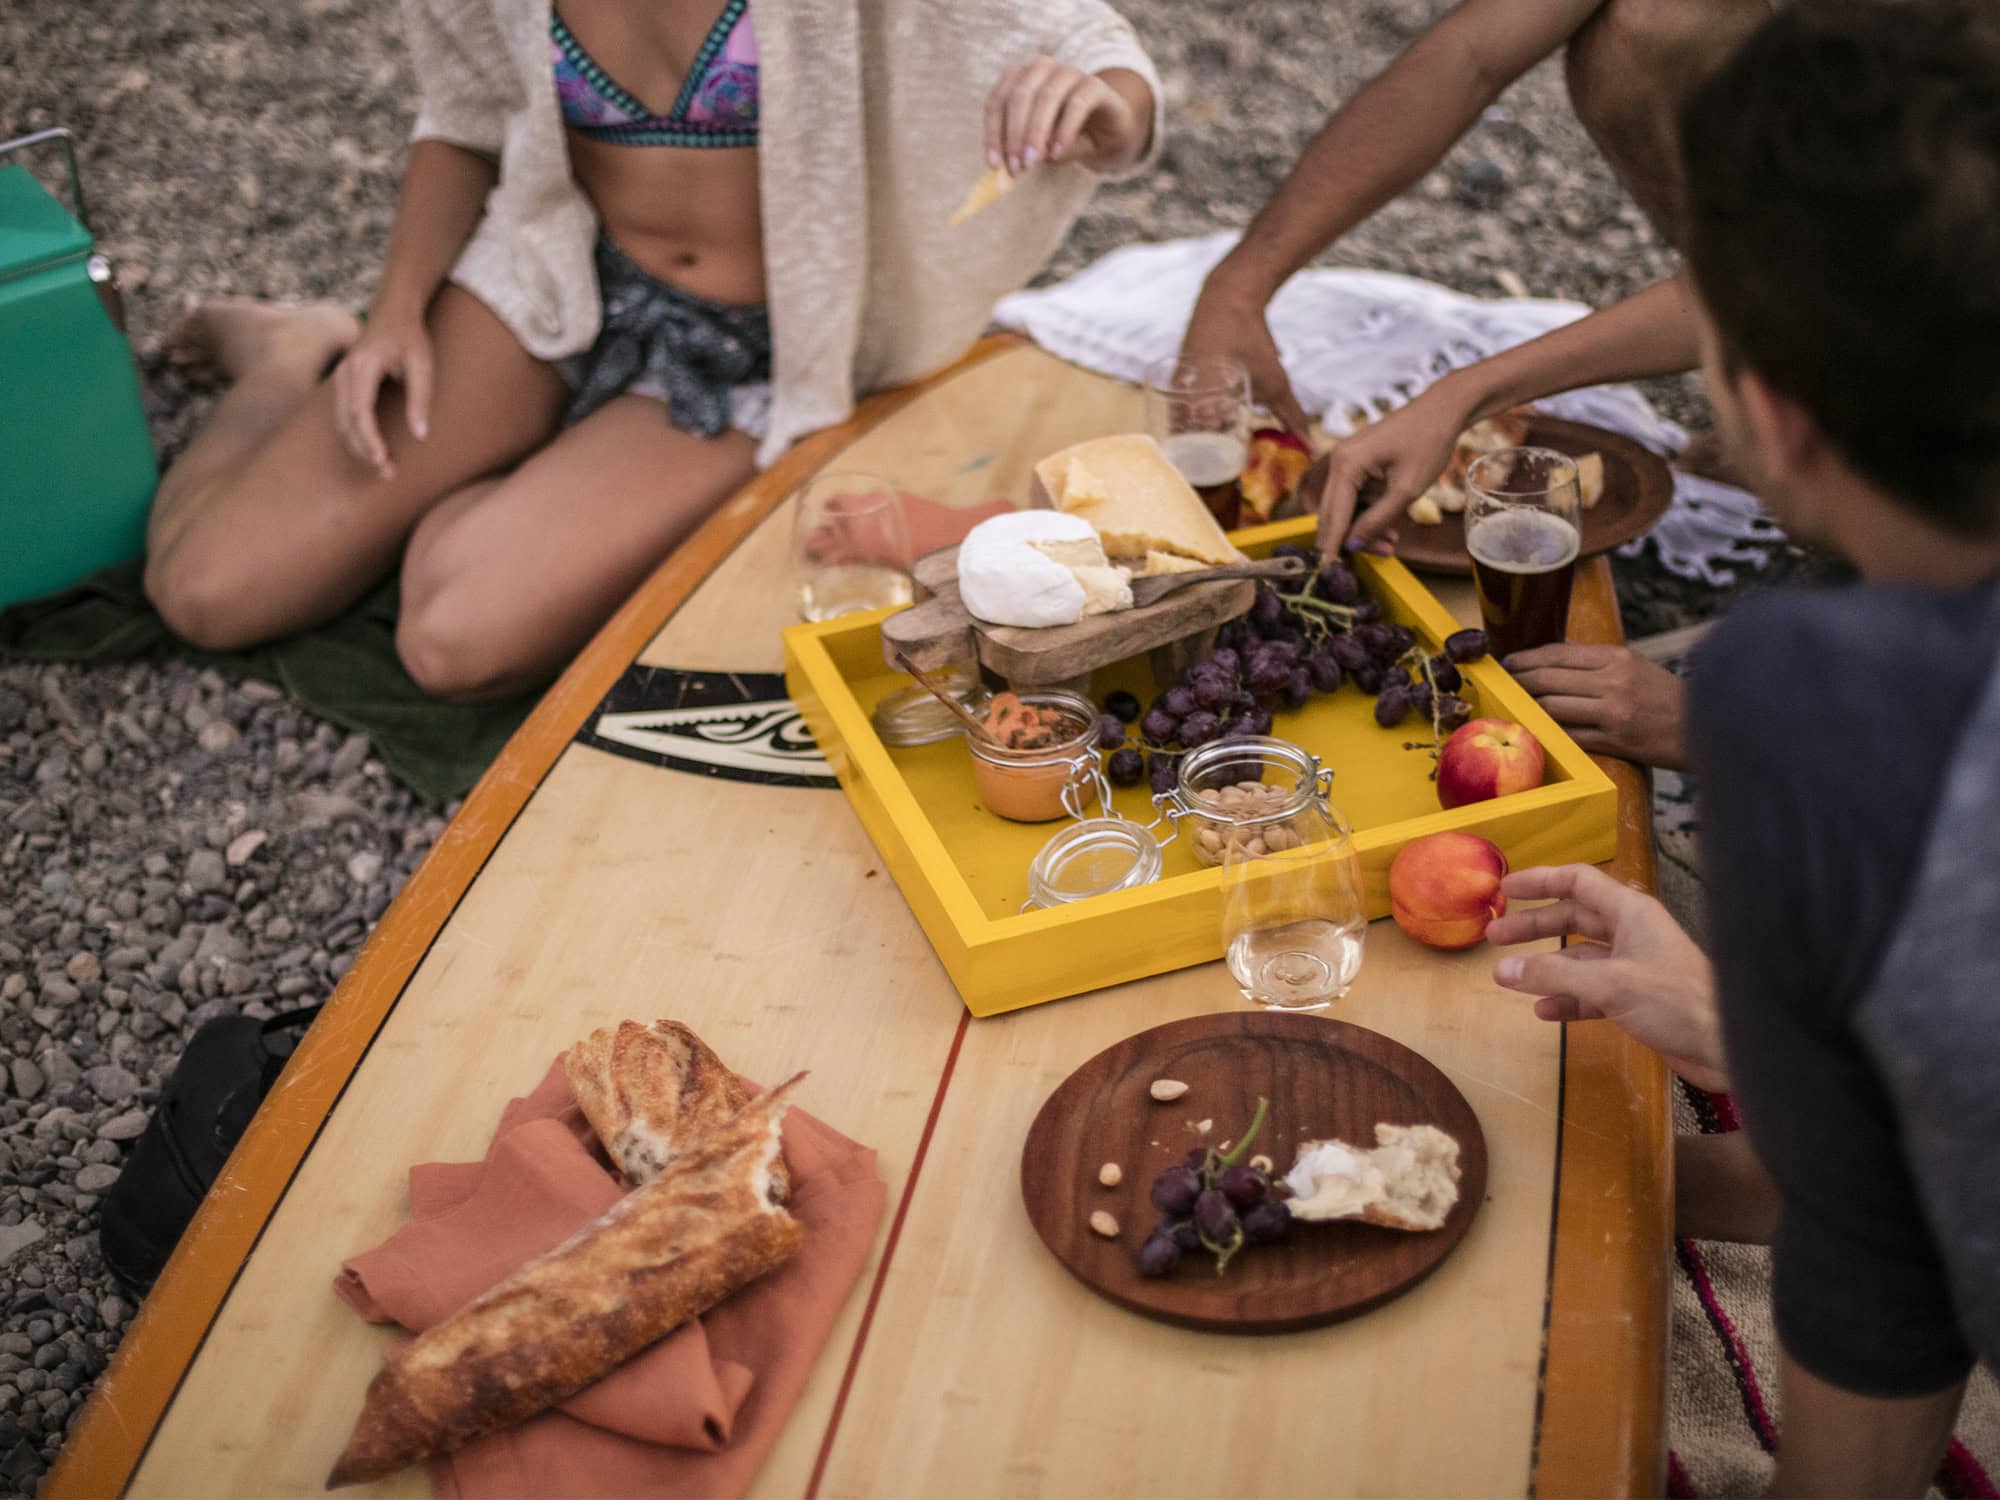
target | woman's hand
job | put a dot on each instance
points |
(1045, 110)
(1392, 461)
(1612, 700)
(1641, 971)
(390, 348)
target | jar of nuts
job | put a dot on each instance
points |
(1258, 794)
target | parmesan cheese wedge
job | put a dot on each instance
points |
(1159, 563)
(1138, 501)
(991, 187)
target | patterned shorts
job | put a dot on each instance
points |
(710, 362)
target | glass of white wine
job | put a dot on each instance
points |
(850, 545)
(1293, 918)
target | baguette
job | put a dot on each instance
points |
(650, 1092)
(666, 1252)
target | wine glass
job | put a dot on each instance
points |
(1198, 410)
(1523, 528)
(850, 545)
(1293, 917)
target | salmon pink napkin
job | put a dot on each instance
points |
(934, 525)
(695, 1413)
(930, 523)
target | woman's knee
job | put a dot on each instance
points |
(201, 600)
(447, 651)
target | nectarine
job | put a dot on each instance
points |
(1445, 887)
(1487, 758)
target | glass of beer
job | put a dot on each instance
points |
(1523, 529)
(1198, 410)
(850, 545)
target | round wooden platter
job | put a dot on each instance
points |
(1325, 1079)
(1638, 488)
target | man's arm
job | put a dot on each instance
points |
(1838, 1444)
(1395, 460)
(1376, 145)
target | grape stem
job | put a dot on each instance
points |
(1235, 1153)
(1315, 614)
(1423, 661)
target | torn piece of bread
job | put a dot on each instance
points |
(1508, 430)
(992, 186)
(1408, 1181)
(712, 1222)
(651, 1092)
(1590, 478)
(1425, 512)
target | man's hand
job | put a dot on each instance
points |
(1225, 325)
(1641, 971)
(1393, 461)
(1612, 700)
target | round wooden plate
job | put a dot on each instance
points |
(1638, 488)
(1324, 1079)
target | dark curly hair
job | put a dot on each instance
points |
(1842, 191)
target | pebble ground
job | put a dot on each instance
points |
(174, 846)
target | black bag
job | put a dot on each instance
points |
(229, 1066)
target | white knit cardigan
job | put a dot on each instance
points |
(870, 129)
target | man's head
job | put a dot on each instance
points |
(1843, 232)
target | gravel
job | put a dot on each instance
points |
(175, 847)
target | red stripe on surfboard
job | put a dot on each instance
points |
(888, 1255)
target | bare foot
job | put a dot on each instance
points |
(228, 337)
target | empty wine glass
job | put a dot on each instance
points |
(1293, 919)
(850, 545)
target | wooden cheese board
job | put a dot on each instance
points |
(940, 631)
(1324, 1079)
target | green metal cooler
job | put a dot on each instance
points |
(76, 463)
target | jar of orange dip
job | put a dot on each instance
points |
(1038, 765)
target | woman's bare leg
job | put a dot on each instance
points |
(505, 582)
(269, 525)
(272, 355)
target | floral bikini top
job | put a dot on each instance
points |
(717, 105)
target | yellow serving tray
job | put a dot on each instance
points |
(965, 871)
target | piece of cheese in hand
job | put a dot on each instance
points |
(992, 186)
(1029, 567)
(1136, 498)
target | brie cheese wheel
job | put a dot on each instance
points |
(1027, 568)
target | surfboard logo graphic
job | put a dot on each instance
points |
(736, 725)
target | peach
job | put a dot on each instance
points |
(1487, 758)
(1277, 462)
(1445, 887)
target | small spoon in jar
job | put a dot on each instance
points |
(973, 723)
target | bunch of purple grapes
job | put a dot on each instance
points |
(1213, 1202)
(1288, 648)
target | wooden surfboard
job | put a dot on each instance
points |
(661, 839)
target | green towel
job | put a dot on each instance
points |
(346, 671)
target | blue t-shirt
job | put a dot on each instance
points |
(1822, 724)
